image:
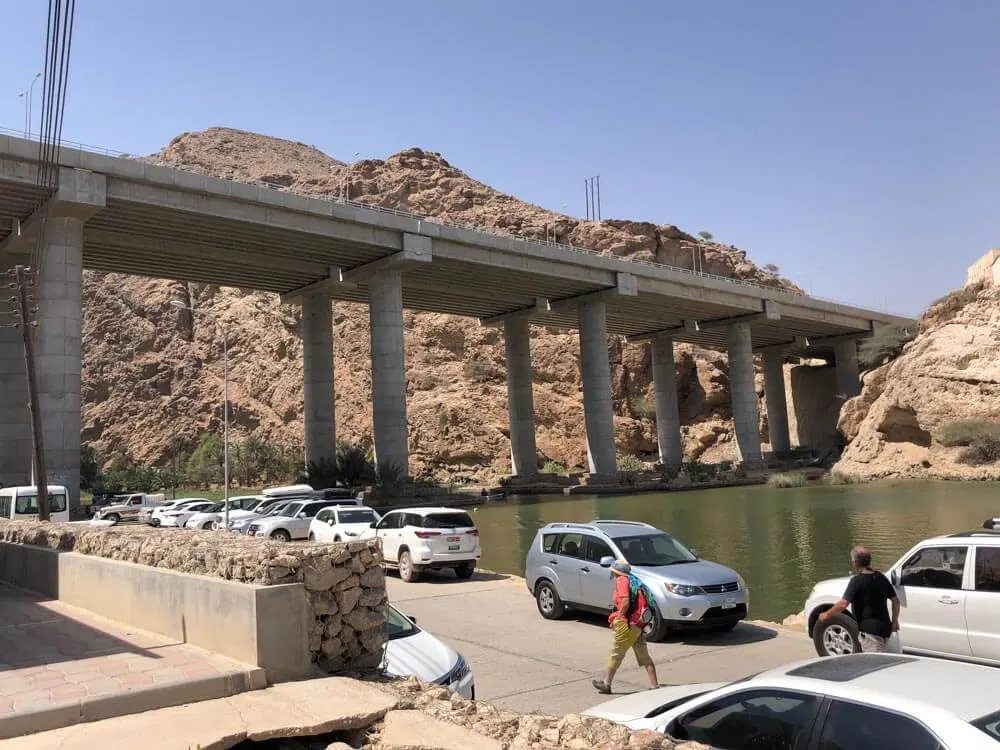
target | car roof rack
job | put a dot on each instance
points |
(609, 522)
(988, 533)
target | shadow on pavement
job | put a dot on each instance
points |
(448, 576)
(744, 633)
(32, 635)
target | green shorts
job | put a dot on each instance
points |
(628, 638)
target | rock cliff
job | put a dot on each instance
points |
(153, 374)
(950, 372)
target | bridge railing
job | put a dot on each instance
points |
(777, 290)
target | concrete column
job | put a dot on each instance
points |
(15, 422)
(520, 403)
(848, 379)
(598, 411)
(385, 300)
(668, 421)
(775, 402)
(743, 393)
(59, 338)
(317, 377)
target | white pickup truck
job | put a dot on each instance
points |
(127, 507)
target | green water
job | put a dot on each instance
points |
(781, 540)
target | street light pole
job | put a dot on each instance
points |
(28, 96)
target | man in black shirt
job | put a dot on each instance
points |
(868, 595)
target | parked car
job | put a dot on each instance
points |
(418, 539)
(343, 523)
(243, 519)
(154, 515)
(566, 568)
(21, 503)
(412, 652)
(177, 517)
(885, 701)
(127, 507)
(949, 595)
(291, 522)
(209, 518)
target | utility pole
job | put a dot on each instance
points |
(586, 193)
(598, 197)
(21, 280)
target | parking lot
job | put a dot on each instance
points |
(526, 663)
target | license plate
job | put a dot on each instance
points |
(453, 539)
(453, 547)
(729, 604)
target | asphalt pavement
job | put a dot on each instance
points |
(526, 663)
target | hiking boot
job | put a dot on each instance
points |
(602, 687)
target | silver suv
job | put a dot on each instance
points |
(567, 568)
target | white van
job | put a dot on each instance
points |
(21, 503)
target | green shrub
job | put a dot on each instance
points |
(725, 465)
(323, 473)
(785, 480)
(884, 345)
(356, 469)
(630, 463)
(553, 467)
(839, 477)
(699, 472)
(668, 473)
(482, 372)
(642, 407)
(981, 451)
(740, 472)
(965, 432)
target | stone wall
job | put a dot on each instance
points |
(343, 584)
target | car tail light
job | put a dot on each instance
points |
(473, 532)
(426, 534)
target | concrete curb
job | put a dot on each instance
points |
(131, 702)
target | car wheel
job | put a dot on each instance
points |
(207, 526)
(836, 636)
(659, 629)
(114, 518)
(465, 570)
(550, 606)
(154, 522)
(336, 539)
(407, 571)
(312, 537)
(280, 535)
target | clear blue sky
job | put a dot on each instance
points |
(853, 143)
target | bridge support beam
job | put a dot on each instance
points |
(598, 410)
(520, 401)
(775, 401)
(846, 360)
(668, 421)
(15, 421)
(317, 378)
(743, 393)
(385, 306)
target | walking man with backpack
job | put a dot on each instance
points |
(632, 613)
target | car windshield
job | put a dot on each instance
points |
(652, 550)
(447, 521)
(398, 625)
(290, 511)
(28, 504)
(356, 516)
(989, 724)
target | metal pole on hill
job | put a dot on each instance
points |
(21, 280)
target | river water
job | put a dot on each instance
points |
(781, 540)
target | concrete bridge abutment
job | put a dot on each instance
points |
(668, 421)
(775, 402)
(743, 393)
(385, 301)
(520, 400)
(317, 378)
(598, 409)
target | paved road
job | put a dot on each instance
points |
(526, 663)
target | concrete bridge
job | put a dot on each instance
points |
(116, 214)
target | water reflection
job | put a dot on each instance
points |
(782, 541)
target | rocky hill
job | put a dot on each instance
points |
(153, 375)
(899, 425)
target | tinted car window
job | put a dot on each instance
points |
(654, 549)
(391, 521)
(28, 504)
(571, 545)
(397, 625)
(549, 542)
(988, 569)
(324, 515)
(312, 510)
(850, 726)
(356, 516)
(773, 718)
(290, 511)
(595, 549)
(447, 521)
(935, 568)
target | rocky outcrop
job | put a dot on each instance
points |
(153, 374)
(950, 372)
(344, 584)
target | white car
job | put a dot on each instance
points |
(412, 652)
(209, 518)
(343, 524)
(156, 514)
(949, 595)
(177, 517)
(417, 539)
(291, 522)
(884, 701)
(240, 519)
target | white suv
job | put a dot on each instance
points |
(417, 539)
(291, 522)
(949, 592)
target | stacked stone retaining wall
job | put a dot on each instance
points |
(344, 584)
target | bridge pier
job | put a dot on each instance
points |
(385, 306)
(15, 421)
(317, 378)
(846, 359)
(668, 422)
(520, 401)
(743, 393)
(598, 409)
(775, 401)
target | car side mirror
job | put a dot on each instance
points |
(695, 552)
(894, 578)
(303, 515)
(607, 562)
(413, 620)
(330, 521)
(373, 525)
